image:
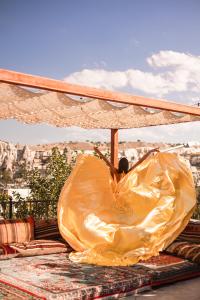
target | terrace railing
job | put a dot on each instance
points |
(40, 209)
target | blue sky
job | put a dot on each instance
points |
(137, 42)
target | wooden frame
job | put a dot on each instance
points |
(64, 87)
(12, 77)
(114, 148)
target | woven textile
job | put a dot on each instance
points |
(47, 229)
(7, 252)
(192, 232)
(38, 247)
(10, 292)
(186, 250)
(16, 231)
(60, 110)
(56, 277)
(165, 268)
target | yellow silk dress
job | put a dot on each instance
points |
(119, 223)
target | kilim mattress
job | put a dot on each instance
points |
(54, 276)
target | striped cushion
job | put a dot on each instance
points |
(192, 232)
(16, 231)
(38, 247)
(186, 250)
(47, 229)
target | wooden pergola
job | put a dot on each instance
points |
(38, 82)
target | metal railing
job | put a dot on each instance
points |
(40, 209)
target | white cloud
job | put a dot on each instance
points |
(185, 74)
(171, 58)
(172, 72)
(99, 78)
(146, 82)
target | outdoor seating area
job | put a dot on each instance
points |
(35, 265)
(99, 150)
(35, 260)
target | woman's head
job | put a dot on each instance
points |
(123, 165)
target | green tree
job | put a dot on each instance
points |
(20, 172)
(4, 202)
(5, 177)
(196, 214)
(45, 188)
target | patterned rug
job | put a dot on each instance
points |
(165, 268)
(10, 292)
(55, 277)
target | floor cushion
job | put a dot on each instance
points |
(16, 231)
(166, 268)
(186, 250)
(6, 252)
(46, 230)
(192, 232)
(39, 247)
(55, 277)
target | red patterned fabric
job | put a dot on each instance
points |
(166, 268)
(7, 249)
(55, 277)
(160, 261)
(16, 231)
(7, 252)
(47, 229)
(187, 250)
(10, 292)
(38, 247)
(192, 232)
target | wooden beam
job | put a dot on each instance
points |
(74, 89)
(114, 147)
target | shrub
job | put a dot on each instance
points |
(45, 188)
(196, 214)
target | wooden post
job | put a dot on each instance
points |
(114, 147)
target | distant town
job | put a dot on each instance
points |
(14, 158)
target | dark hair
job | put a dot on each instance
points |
(123, 165)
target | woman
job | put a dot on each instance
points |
(123, 167)
(119, 222)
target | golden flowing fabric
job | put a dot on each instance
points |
(119, 223)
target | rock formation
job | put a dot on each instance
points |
(15, 157)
